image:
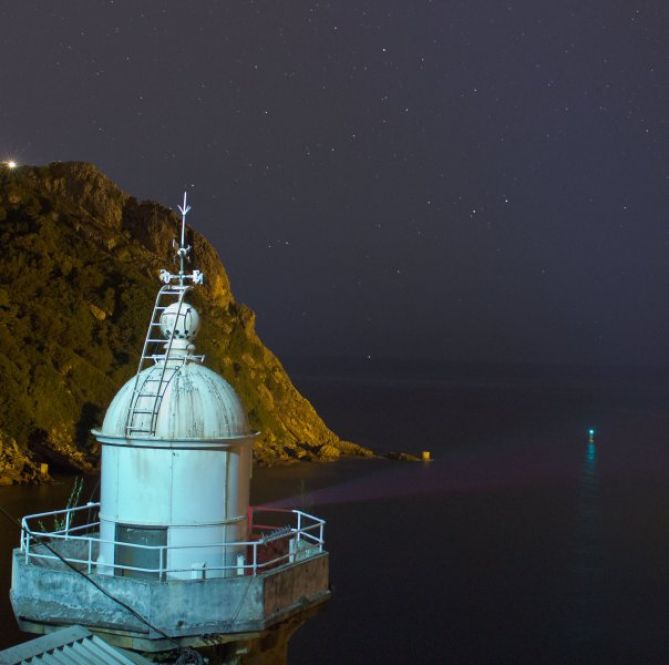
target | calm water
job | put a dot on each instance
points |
(520, 543)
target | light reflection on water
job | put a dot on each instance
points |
(585, 598)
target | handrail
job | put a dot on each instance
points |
(62, 511)
(308, 529)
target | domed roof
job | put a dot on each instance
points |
(176, 398)
(196, 403)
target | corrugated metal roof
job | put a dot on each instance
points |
(74, 645)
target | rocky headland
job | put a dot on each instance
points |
(78, 276)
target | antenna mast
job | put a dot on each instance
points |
(182, 252)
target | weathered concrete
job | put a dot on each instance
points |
(185, 610)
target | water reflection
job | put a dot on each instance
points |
(586, 574)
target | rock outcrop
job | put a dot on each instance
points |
(78, 276)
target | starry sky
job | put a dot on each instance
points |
(465, 181)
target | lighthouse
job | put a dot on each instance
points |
(176, 452)
(173, 555)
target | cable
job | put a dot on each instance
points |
(187, 655)
(106, 593)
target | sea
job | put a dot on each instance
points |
(524, 540)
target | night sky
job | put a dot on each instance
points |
(471, 181)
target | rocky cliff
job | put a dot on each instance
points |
(78, 276)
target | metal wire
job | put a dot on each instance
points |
(103, 591)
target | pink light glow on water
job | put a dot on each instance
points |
(453, 474)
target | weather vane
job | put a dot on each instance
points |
(182, 252)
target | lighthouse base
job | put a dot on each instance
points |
(245, 610)
(269, 647)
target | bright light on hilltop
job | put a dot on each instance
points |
(11, 163)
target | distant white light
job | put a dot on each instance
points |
(11, 164)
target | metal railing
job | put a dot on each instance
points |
(270, 546)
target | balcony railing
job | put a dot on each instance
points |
(283, 536)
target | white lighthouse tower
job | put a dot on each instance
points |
(173, 555)
(176, 452)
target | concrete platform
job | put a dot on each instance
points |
(190, 612)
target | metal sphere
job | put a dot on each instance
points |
(187, 321)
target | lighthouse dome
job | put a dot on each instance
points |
(196, 403)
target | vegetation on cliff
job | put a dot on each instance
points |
(78, 276)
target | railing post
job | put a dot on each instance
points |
(299, 525)
(68, 517)
(26, 540)
(255, 559)
(320, 536)
(161, 572)
(241, 564)
(90, 556)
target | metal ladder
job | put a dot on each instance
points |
(147, 396)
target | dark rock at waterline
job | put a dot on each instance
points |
(402, 457)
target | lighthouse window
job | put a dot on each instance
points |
(133, 557)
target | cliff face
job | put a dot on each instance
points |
(78, 276)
